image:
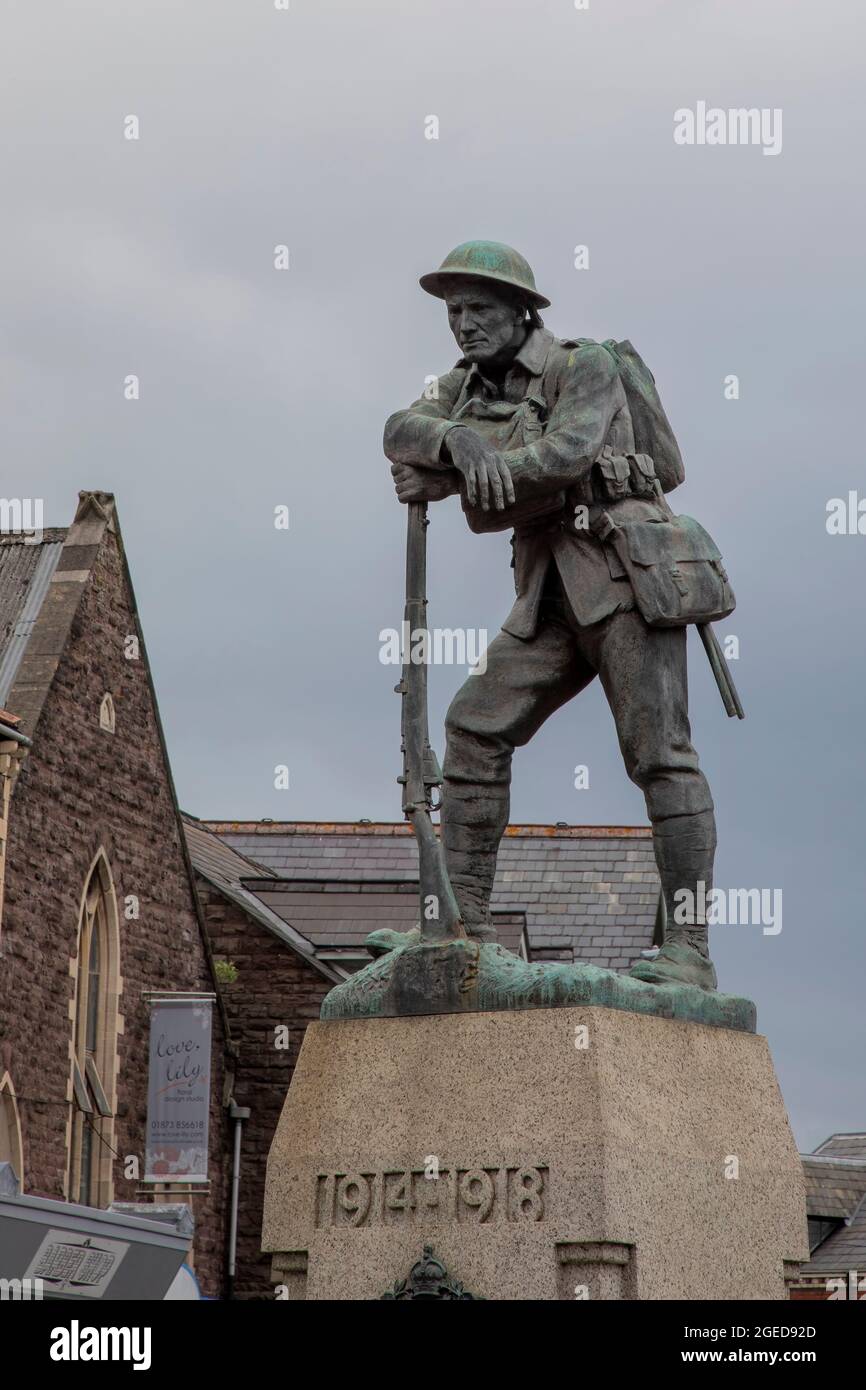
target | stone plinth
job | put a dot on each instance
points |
(653, 1159)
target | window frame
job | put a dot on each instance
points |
(96, 1025)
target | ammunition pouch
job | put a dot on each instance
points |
(674, 567)
(623, 475)
(643, 475)
(614, 475)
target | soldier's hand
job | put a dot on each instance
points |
(483, 468)
(421, 484)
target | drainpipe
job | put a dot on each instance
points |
(6, 731)
(238, 1113)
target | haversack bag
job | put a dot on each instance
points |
(674, 567)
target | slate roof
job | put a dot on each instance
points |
(834, 1186)
(338, 916)
(588, 892)
(225, 869)
(41, 585)
(836, 1190)
(844, 1146)
(215, 858)
(843, 1250)
(26, 567)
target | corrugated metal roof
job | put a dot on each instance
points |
(589, 892)
(25, 573)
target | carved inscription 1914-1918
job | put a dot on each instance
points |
(404, 1197)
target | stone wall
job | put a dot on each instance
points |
(81, 789)
(274, 989)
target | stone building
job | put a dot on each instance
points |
(97, 896)
(836, 1208)
(273, 988)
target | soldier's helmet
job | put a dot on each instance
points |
(486, 260)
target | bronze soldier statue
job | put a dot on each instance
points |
(566, 442)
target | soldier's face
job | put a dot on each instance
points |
(487, 324)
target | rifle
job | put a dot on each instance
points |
(421, 771)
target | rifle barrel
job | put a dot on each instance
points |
(420, 770)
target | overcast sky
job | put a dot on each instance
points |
(261, 387)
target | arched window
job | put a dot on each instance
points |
(106, 713)
(11, 1147)
(94, 1042)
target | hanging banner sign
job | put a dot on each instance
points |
(178, 1091)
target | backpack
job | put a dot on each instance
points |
(652, 432)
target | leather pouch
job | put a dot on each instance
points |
(674, 567)
(643, 475)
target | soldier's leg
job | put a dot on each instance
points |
(495, 712)
(644, 674)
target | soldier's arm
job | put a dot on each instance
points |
(588, 399)
(416, 435)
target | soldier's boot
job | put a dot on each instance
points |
(684, 849)
(682, 960)
(470, 854)
(475, 912)
(472, 826)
